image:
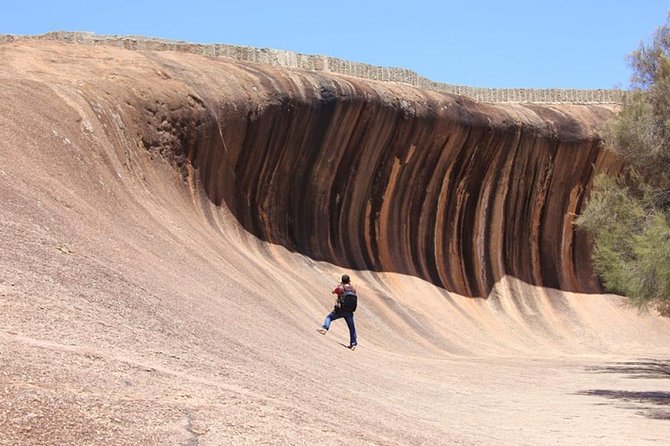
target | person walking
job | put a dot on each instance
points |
(346, 304)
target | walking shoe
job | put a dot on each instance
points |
(321, 330)
(353, 347)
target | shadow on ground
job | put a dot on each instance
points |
(651, 404)
(639, 369)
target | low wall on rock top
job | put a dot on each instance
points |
(334, 65)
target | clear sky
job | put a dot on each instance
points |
(515, 43)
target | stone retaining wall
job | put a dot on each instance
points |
(335, 65)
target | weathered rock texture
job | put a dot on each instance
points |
(366, 175)
(394, 179)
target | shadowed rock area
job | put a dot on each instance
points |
(172, 225)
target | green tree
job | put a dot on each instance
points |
(641, 131)
(629, 217)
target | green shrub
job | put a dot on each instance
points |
(631, 241)
(629, 217)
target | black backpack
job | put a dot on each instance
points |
(349, 301)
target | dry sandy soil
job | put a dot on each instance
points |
(134, 311)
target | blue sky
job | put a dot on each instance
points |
(534, 44)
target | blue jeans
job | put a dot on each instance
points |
(348, 317)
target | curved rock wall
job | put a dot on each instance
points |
(363, 174)
(369, 175)
(455, 192)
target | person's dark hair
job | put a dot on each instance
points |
(346, 279)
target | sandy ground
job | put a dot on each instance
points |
(133, 311)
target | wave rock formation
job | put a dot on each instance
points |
(389, 178)
(172, 224)
(372, 175)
